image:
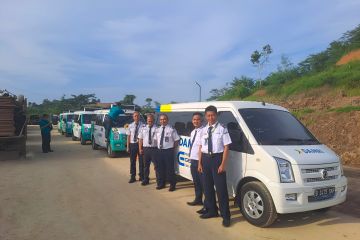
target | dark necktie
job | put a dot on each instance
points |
(136, 131)
(192, 142)
(162, 137)
(150, 135)
(210, 144)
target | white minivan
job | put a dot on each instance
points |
(117, 134)
(275, 164)
(82, 126)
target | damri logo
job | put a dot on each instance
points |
(309, 150)
(182, 158)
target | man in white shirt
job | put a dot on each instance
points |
(148, 148)
(167, 139)
(214, 150)
(132, 147)
(194, 158)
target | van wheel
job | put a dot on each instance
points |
(110, 151)
(94, 145)
(82, 140)
(256, 204)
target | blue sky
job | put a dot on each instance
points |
(156, 48)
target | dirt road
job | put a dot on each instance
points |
(78, 193)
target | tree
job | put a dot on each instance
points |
(128, 99)
(148, 100)
(259, 59)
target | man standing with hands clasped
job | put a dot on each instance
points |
(167, 139)
(213, 154)
(194, 158)
(132, 133)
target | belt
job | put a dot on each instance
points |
(212, 154)
(150, 147)
(166, 149)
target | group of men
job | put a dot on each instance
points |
(208, 155)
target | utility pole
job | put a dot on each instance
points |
(199, 90)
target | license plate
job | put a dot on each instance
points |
(322, 194)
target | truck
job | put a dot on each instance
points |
(13, 123)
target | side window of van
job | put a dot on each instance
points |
(181, 121)
(239, 141)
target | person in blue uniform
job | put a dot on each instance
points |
(45, 127)
(132, 133)
(214, 150)
(148, 148)
(194, 159)
(167, 139)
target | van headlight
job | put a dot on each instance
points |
(116, 136)
(285, 170)
(341, 169)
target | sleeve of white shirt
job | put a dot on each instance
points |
(226, 137)
(175, 135)
(198, 138)
(140, 136)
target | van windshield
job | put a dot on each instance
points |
(276, 127)
(122, 120)
(87, 118)
(70, 117)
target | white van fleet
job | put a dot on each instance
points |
(82, 126)
(117, 135)
(275, 164)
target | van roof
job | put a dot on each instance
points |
(84, 112)
(196, 106)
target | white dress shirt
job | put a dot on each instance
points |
(220, 138)
(195, 143)
(144, 135)
(132, 129)
(170, 137)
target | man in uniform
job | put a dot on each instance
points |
(148, 148)
(167, 139)
(46, 128)
(214, 149)
(132, 146)
(194, 158)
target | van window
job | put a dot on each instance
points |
(122, 120)
(99, 119)
(239, 141)
(181, 121)
(87, 118)
(276, 127)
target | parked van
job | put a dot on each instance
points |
(275, 164)
(60, 122)
(82, 126)
(117, 135)
(67, 124)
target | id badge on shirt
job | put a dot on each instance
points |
(167, 139)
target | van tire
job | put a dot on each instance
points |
(93, 144)
(110, 152)
(82, 140)
(255, 194)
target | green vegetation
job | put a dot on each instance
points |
(315, 71)
(298, 113)
(345, 109)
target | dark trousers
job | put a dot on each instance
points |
(134, 153)
(150, 155)
(197, 179)
(166, 166)
(211, 178)
(45, 138)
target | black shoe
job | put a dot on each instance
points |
(202, 211)
(160, 187)
(132, 180)
(209, 215)
(226, 222)
(144, 183)
(172, 188)
(51, 150)
(195, 203)
(141, 179)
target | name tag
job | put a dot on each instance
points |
(166, 139)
